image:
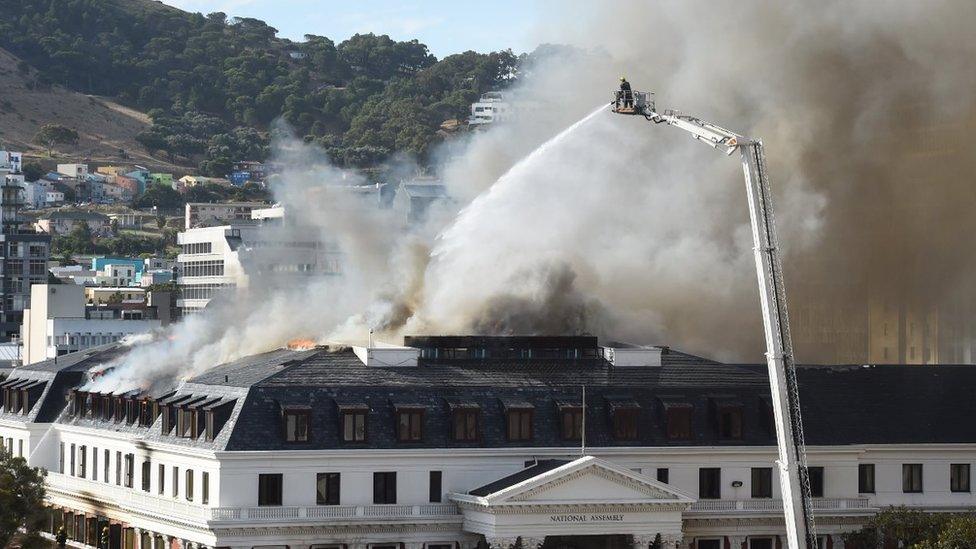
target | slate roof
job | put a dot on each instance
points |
(539, 467)
(842, 405)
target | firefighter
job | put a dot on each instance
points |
(626, 93)
(62, 538)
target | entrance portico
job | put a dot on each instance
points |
(555, 502)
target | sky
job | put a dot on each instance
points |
(446, 26)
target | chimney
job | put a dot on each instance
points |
(384, 355)
(625, 355)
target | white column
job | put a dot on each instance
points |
(642, 541)
(406, 545)
(671, 541)
(838, 541)
(529, 542)
(737, 541)
(500, 543)
(468, 544)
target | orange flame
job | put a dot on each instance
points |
(301, 344)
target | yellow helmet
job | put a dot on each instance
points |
(622, 78)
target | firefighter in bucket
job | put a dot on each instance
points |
(625, 98)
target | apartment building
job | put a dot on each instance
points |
(213, 259)
(483, 442)
(206, 214)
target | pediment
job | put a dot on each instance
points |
(584, 481)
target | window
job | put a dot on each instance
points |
(911, 478)
(709, 544)
(73, 450)
(205, 481)
(162, 478)
(816, 476)
(176, 482)
(709, 483)
(384, 488)
(435, 491)
(82, 461)
(663, 475)
(679, 423)
(730, 423)
(519, 424)
(865, 478)
(130, 467)
(572, 422)
(625, 423)
(762, 482)
(146, 469)
(327, 489)
(269, 489)
(410, 425)
(761, 543)
(61, 458)
(354, 426)
(296, 425)
(188, 485)
(466, 425)
(108, 458)
(118, 468)
(959, 477)
(94, 463)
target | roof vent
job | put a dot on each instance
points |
(384, 355)
(623, 355)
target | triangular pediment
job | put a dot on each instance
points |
(586, 480)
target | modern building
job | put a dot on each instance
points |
(24, 255)
(62, 222)
(491, 107)
(118, 271)
(207, 214)
(76, 171)
(465, 442)
(416, 197)
(190, 181)
(102, 295)
(58, 322)
(214, 259)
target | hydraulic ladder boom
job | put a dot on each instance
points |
(794, 479)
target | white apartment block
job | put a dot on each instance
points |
(468, 442)
(205, 214)
(58, 323)
(213, 259)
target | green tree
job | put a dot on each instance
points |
(55, 134)
(21, 499)
(32, 170)
(160, 195)
(958, 533)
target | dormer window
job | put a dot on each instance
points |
(296, 423)
(409, 423)
(519, 416)
(465, 420)
(625, 417)
(678, 414)
(352, 419)
(728, 415)
(570, 420)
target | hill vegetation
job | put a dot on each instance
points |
(213, 85)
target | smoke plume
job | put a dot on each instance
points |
(631, 230)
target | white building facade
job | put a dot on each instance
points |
(477, 442)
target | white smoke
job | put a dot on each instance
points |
(633, 230)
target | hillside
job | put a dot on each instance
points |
(104, 127)
(214, 85)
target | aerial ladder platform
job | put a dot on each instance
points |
(792, 462)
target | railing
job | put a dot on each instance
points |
(774, 505)
(332, 512)
(127, 498)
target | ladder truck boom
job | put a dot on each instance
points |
(794, 479)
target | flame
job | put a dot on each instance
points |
(301, 344)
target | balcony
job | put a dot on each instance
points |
(102, 495)
(334, 512)
(738, 506)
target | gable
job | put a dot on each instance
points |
(594, 483)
